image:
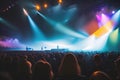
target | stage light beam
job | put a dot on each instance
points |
(104, 29)
(5, 22)
(38, 35)
(105, 19)
(95, 44)
(114, 36)
(101, 42)
(25, 12)
(62, 28)
(115, 18)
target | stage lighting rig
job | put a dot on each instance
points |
(60, 1)
(45, 5)
(38, 7)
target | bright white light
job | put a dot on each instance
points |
(94, 44)
(48, 45)
(113, 12)
(25, 12)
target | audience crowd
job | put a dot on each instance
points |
(48, 65)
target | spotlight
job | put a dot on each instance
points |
(45, 5)
(116, 17)
(113, 12)
(38, 35)
(38, 7)
(25, 12)
(60, 1)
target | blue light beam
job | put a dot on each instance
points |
(116, 18)
(60, 27)
(38, 35)
(3, 21)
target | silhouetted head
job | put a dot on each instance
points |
(42, 70)
(69, 66)
(24, 69)
(97, 58)
(117, 67)
(99, 75)
(25, 57)
(117, 63)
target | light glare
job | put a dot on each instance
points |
(45, 5)
(60, 1)
(38, 7)
(25, 12)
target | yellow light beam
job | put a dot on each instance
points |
(104, 29)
